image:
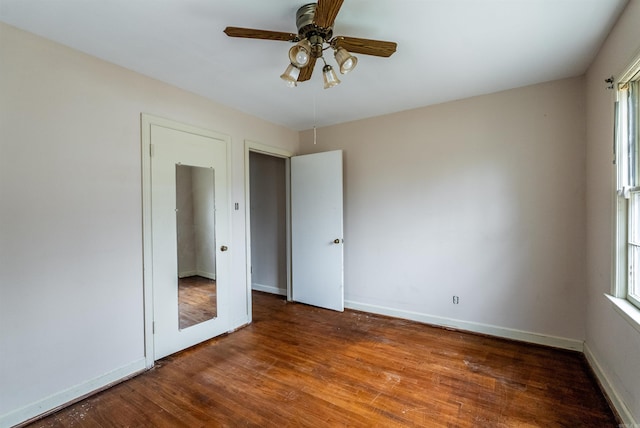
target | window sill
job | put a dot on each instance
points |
(627, 310)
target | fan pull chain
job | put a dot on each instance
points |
(315, 133)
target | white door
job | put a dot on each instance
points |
(199, 162)
(316, 230)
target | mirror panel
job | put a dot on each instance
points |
(196, 242)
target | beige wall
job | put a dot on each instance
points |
(611, 342)
(71, 308)
(481, 198)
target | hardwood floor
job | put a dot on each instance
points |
(298, 365)
(197, 300)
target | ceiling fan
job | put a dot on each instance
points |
(315, 35)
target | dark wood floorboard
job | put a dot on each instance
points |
(300, 366)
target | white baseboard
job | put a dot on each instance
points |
(187, 273)
(507, 333)
(70, 395)
(269, 289)
(205, 274)
(610, 390)
(201, 273)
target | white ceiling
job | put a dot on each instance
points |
(447, 49)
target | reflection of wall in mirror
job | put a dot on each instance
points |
(184, 223)
(195, 222)
(204, 221)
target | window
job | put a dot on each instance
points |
(628, 187)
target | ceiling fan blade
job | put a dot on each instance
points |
(365, 46)
(305, 73)
(326, 12)
(252, 33)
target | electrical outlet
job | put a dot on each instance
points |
(456, 300)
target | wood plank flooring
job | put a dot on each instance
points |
(300, 366)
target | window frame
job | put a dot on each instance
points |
(627, 187)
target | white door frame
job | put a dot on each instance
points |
(146, 121)
(252, 146)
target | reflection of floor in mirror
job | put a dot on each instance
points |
(196, 300)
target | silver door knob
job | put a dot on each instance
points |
(224, 248)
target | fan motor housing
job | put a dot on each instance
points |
(307, 29)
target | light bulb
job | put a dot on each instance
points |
(302, 57)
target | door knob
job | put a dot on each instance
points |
(224, 248)
(336, 241)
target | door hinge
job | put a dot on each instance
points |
(153, 327)
(151, 150)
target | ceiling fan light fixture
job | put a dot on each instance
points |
(315, 22)
(345, 60)
(330, 77)
(300, 53)
(290, 76)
